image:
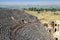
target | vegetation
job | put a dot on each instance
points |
(41, 9)
(45, 14)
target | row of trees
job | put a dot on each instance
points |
(42, 9)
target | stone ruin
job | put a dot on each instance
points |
(10, 18)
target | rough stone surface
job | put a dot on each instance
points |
(33, 32)
(9, 18)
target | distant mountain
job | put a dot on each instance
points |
(27, 6)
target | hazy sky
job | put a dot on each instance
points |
(26, 0)
(32, 2)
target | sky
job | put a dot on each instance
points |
(29, 2)
(26, 0)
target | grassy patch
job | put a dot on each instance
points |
(45, 16)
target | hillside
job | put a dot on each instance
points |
(46, 16)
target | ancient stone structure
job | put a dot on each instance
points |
(12, 26)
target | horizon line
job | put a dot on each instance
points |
(30, 3)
